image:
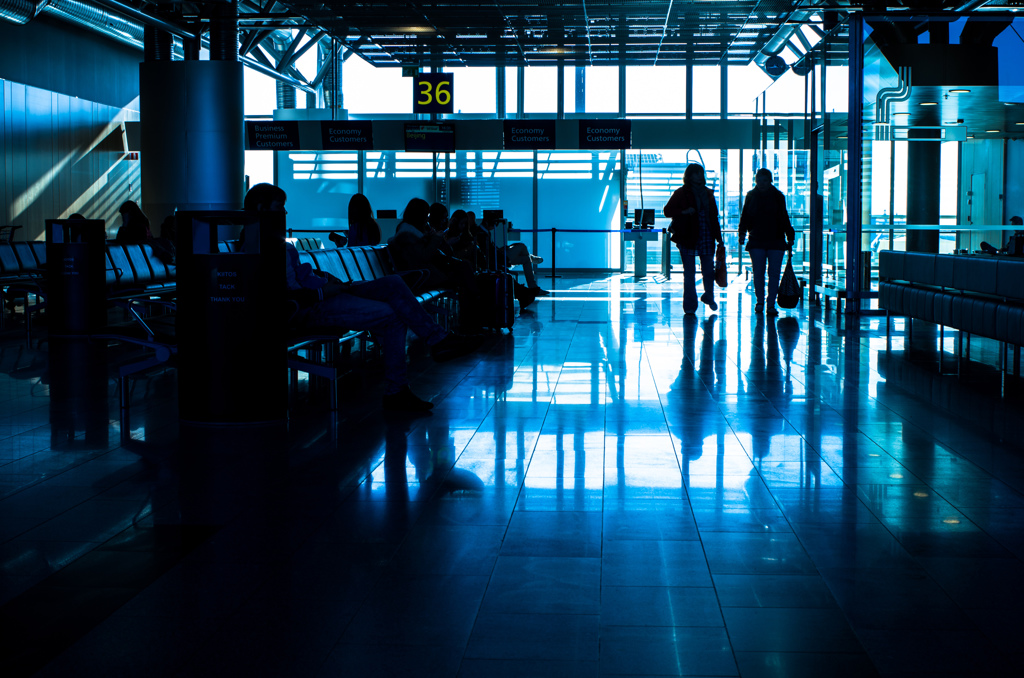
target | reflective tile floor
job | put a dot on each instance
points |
(612, 489)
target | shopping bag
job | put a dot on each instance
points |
(789, 287)
(721, 274)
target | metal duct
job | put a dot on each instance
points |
(111, 25)
(224, 32)
(331, 60)
(159, 44)
(285, 93)
(20, 11)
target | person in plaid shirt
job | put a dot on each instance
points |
(695, 230)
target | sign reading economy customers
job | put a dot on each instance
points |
(529, 135)
(599, 134)
(272, 135)
(347, 135)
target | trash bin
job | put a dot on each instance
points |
(76, 301)
(232, 351)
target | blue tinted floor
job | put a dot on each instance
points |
(613, 489)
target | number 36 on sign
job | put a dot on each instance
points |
(433, 93)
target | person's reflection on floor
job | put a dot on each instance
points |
(688, 397)
(789, 336)
(430, 448)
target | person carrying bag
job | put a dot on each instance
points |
(765, 218)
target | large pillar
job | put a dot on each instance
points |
(192, 129)
(923, 176)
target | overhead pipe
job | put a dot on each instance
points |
(20, 11)
(224, 32)
(92, 18)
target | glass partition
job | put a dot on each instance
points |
(942, 120)
(579, 191)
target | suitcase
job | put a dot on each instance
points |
(495, 301)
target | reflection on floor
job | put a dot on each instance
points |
(613, 489)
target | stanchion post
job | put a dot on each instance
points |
(553, 276)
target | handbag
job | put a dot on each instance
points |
(790, 292)
(721, 272)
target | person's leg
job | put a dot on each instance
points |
(393, 291)
(774, 271)
(707, 271)
(758, 258)
(352, 312)
(518, 254)
(689, 283)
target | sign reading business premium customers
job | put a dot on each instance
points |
(347, 135)
(272, 135)
(598, 134)
(529, 135)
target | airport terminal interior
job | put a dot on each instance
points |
(609, 487)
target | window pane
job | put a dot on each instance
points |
(579, 190)
(511, 89)
(375, 90)
(707, 88)
(745, 85)
(319, 185)
(541, 85)
(603, 89)
(656, 89)
(474, 90)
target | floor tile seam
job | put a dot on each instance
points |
(18, 536)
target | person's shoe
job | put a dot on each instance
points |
(454, 346)
(772, 311)
(539, 292)
(406, 401)
(759, 307)
(709, 299)
(535, 259)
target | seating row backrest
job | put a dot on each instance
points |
(350, 264)
(303, 244)
(136, 267)
(989, 275)
(22, 259)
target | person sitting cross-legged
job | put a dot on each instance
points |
(386, 306)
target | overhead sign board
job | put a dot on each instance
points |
(600, 134)
(529, 135)
(347, 135)
(433, 93)
(429, 138)
(272, 135)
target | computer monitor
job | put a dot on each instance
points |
(493, 215)
(643, 217)
(387, 214)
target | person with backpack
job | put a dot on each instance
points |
(766, 221)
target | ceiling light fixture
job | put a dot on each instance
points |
(959, 91)
(992, 131)
(929, 103)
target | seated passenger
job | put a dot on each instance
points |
(384, 306)
(417, 247)
(134, 225)
(362, 227)
(512, 255)
(1014, 244)
(461, 239)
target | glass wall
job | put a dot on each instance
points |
(941, 112)
(579, 191)
(567, 190)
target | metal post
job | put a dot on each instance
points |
(553, 230)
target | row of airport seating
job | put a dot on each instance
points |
(980, 294)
